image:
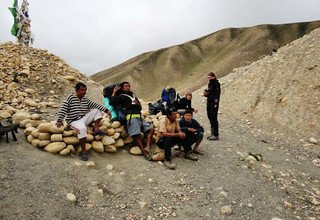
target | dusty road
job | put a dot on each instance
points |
(284, 184)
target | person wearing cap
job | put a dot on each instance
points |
(80, 112)
(213, 98)
(125, 99)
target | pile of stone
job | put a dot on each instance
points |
(45, 135)
(33, 79)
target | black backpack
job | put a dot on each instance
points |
(171, 97)
(156, 107)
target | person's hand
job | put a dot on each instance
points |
(192, 130)
(108, 112)
(181, 135)
(195, 110)
(59, 124)
(116, 88)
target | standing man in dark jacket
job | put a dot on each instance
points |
(213, 99)
(124, 98)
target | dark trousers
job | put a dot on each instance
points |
(212, 113)
(190, 139)
(167, 143)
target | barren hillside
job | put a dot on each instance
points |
(184, 66)
(282, 89)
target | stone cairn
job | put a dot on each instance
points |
(32, 79)
(31, 89)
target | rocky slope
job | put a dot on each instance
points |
(185, 66)
(35, 80)
(282, 89)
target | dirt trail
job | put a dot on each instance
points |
(285, 184)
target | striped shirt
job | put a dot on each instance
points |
(74, 109)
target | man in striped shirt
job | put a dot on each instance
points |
(79, 112)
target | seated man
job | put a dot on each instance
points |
(194, 134)
(80, 112)
(123, 97)
(170, 134)
(185, 103)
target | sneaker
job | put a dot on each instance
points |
(170, 165)
(83, 157)
(190, 157)
(213, 138)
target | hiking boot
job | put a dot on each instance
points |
(170, 165)
(190, 157)
(213, 138)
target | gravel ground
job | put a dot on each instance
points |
(226, 183)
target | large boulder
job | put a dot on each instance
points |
(55, 147)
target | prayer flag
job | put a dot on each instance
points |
(14, 10)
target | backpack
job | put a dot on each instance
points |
(169, 96)
(177, 102)
(156, 107)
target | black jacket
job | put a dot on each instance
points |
(214, 91)
(184, 125)
(130, 105)
(184, 103)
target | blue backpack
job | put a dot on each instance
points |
(169, 96)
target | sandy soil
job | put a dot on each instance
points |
(285, 184)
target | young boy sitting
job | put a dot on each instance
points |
(194, 134)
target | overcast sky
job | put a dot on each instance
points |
(93, 35)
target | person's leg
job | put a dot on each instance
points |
(82, 134)
(199, 138)
(82, 143)
(137, 139)
(215, 122)
(93, 115)
(187, 142)
(209, 114)
(213, 118)
(149, 131)
(134, 130)
(148, 140)
(167, 145)
(181, 111)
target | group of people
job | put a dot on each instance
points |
(80, 111)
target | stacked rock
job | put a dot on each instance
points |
(35, 80)
(47, 136)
